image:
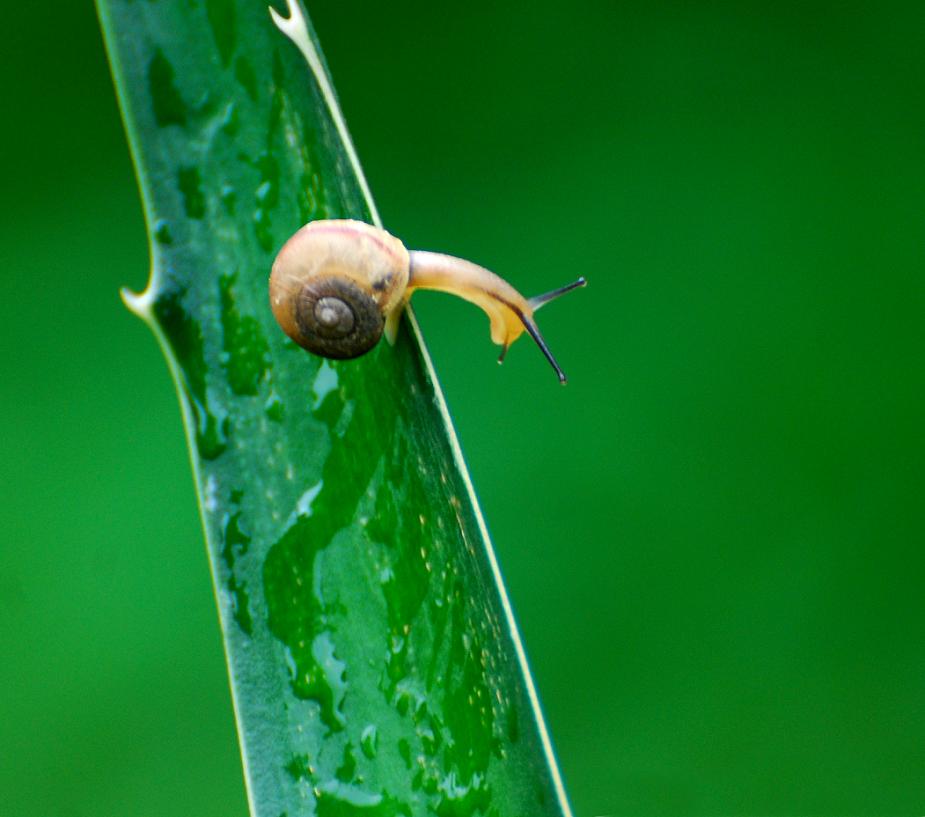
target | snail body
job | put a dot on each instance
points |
(338, 285)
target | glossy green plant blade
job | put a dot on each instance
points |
(374, 663)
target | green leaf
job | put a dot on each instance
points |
(374, 662)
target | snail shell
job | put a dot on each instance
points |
(337, 285)
(334, 282)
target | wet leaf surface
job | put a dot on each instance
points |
(373, 663)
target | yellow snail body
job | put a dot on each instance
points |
(337, 285)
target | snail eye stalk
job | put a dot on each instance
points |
(534, 331)
(539, 300)
(535, 303)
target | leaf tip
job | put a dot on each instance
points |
(293, 25)
(278, 18)
(139, 303)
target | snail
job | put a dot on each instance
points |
(338, 285)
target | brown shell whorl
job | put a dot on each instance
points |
(336, 318)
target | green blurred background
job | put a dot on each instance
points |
(713, 537)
